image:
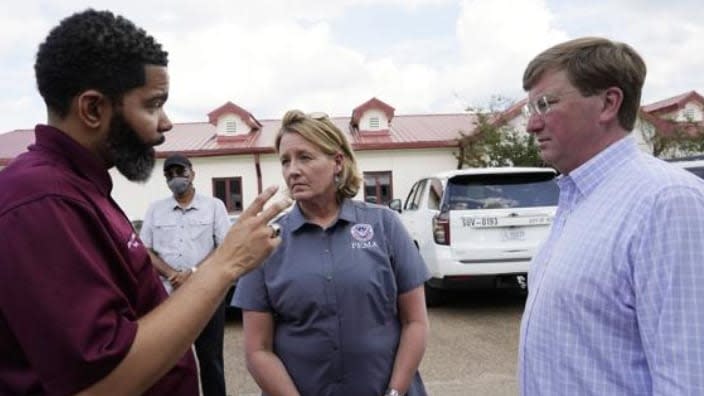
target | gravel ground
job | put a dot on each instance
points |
(472, 348)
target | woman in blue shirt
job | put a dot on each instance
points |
(338, 308)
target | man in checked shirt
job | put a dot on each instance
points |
(616, 305)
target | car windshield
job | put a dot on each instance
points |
(496, 191)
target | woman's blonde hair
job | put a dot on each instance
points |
(322, 133)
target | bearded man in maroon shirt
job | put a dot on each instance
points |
(80, 304)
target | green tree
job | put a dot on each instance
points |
(684, 138)
(493, 142)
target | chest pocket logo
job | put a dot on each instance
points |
(362, 235)
(362, 232)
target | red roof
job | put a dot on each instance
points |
(673, 103)
(653, 112)
(198, 139)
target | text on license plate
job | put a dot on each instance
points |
(480, 222)
(493, 221)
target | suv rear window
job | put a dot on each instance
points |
(496, 191)
(699, 171)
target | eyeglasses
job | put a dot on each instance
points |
(318, 115)
(542, 105)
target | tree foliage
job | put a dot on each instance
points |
(685, 138)
(493, 142)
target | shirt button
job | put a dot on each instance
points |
(329, 278)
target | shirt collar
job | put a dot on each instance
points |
(602, 166)
(346, 213)
(64, 149)
(195, 203)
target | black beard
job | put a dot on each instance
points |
(131, 156)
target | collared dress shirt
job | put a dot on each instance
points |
(616, 300)
(183, 237)
(74, 276)
(334, 294)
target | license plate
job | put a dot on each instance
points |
(480, 222)
(493, 221)
(513, 234)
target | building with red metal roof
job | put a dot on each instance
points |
(234, 158)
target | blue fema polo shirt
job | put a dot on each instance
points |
(334, 294)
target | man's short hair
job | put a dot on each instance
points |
(594, 64)
(94, 50)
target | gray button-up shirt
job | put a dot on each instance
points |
(334, 296)
(183, 237)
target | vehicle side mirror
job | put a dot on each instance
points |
(395, 204)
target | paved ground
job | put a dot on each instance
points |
(472, 348)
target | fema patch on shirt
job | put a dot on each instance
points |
(362, 235)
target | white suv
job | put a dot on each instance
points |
(692, 164)
(479, 228)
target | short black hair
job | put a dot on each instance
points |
(94, 50)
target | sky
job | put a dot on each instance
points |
(419, 56)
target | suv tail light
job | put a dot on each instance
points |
(441, 228)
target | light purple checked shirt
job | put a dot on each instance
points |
(616, 301)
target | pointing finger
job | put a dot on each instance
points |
(275, 209)
(258, 204)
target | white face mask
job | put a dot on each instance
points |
(179, 185)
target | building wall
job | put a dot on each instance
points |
(519, 123)
(134, 198)
(406, 167)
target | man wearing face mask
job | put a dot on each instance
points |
(180, 232)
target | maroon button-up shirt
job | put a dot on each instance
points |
(74, 276)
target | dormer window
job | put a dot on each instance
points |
(372, 116)
(233, 122)
(374, 123)
(689, 114)
(231, 127)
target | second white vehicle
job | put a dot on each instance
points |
(479, 228)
